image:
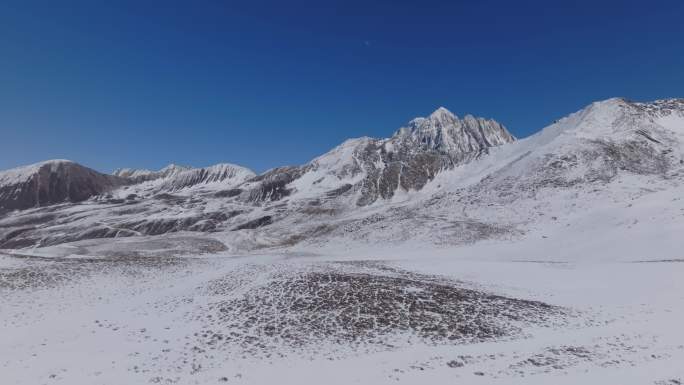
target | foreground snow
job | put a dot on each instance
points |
(145, 321)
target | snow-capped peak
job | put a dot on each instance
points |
(56, 161)
(174, 168)
(52, 181)
(53, 163)
(618, 118)
(445, 132)
(22, 173)
(442, 113)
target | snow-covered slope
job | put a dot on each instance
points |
(611, 151)
(209, 175)
(595, 144)
(144, 174)
(174, 178)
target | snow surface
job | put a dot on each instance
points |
(112, 328)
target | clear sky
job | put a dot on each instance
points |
(269, 83)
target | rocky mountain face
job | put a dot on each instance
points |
(440, 179)
(51, 182)
(373, 169)
(416, 153)
(444, 132)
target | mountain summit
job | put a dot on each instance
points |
(445, 132)
(371, 169)
(51, 182)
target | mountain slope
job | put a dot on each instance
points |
(611, 151)
(141, 175)
(175, 179)
(445, 132)
(51, 182)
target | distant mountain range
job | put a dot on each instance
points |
(440, 179)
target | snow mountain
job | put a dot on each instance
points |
(173, 178)
(141, 175)
(50, 182)
(440, 179)
(444, 132)
(448, 250)
(372, 169)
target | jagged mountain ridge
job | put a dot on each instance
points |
(141, 175)
(419, 184)
(373, 169)
(376, 168)
(173, 178)
(445, 132)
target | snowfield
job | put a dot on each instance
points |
(448, 253)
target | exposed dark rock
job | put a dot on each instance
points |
(7, 240)
(228, 193)
(202, 222)
(363, 306)
(272, 185)
(255, 223)
(27, 220)
(634, 156)
(169, 198)
(646, 135)
(406, 169)
(339, 191)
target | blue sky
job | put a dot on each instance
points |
(263, 84)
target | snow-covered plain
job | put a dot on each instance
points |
(554, 259)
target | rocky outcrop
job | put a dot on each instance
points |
(273, 184)
(445, 133)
